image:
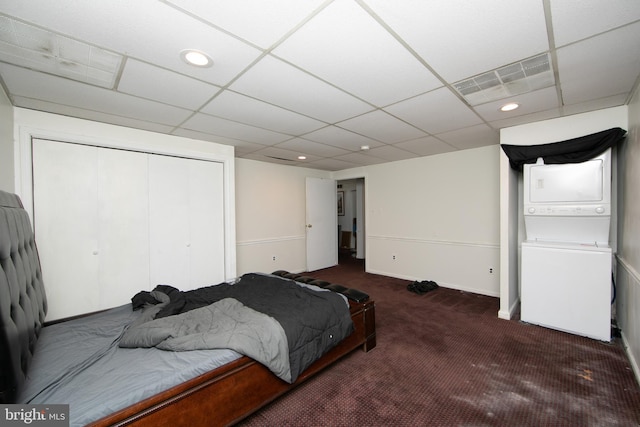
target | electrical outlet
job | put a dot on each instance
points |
(490, 270)
(274, 257)
(393, 257)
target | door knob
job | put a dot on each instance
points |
(309, 225)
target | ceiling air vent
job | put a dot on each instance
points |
(41, 50)
(515, 79)
(280, 158)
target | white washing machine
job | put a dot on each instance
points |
(567, 286)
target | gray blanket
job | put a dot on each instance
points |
(225, 324)
(281, 324)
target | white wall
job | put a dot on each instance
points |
(270, 216)
(438, 216)
(628, 257)
(509, 223)
(530, 134)
(7, 178)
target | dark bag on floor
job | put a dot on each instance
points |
(422, 287)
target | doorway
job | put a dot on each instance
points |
(351, 222)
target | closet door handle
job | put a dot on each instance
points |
(309, 225)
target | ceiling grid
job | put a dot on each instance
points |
(321, 78)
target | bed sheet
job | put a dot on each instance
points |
(118, 377)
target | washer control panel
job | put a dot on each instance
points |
(551, 210)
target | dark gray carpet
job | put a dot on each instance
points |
(445, 359)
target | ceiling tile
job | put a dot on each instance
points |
(332, 164)
(240, 146)
(435, 112)
(28, 46)
(279, 153)
(147, 81)
(462, 38)
(574, 20)
(527, 118)
(381, 126)
(390, 153)
(471, 137)
(426, 146)
(601, 66)
(241, 108)
(360, 159)
(540, 100)
(595, 104)
(261, 23)
(313, 148)
(374, 66)
(96, 116)
(222, 127)
(58, 90)
(274, 155)
(158, 33)
(598, 104)
(276, 82)
(256, 155)
(337, 137)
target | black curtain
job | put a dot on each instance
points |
(574, 150)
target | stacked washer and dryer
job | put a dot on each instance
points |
(566, 260)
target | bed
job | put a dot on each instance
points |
(196, 387)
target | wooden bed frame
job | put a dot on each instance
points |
(234, 391)
(222, 396)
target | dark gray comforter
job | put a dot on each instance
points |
(273, 320)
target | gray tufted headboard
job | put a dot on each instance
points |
(23, 303)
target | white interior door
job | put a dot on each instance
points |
(322, 223)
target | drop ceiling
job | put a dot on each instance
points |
(321, 79)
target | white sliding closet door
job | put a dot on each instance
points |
(67, 244)
(186, 222)
(110, 223)
(90, 220)
(123, 214)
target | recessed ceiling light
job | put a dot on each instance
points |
(196, 58)
(302, 157)
(509, 107)
(364, 147)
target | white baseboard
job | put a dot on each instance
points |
(508, 315)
